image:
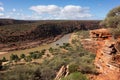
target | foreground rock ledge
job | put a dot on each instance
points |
(107, 51)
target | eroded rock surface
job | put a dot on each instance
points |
(63, 72)
(107, 51)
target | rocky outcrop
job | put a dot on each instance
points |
(90, 45)
(100, 34)
(63, 72)
(107, 59)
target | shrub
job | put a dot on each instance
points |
(14, 57)
(34, 56)
(4, 59)
(21, 72)
(22, 56)
(50, 49)
(65, 46)
(75, 76)
(28, 59)
(37, 75)
(47, 73)
(37, 54)
(73, 68)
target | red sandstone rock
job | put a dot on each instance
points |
(107, 59)
(100, 34)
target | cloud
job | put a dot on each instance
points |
(49, 9)
(1, 9)
(44, 12)
(66, 12)
(1, 14)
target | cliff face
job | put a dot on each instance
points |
(107, 51)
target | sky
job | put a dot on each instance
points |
(56, 9)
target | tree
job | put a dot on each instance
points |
(112, 19)
(22, 56)
(14, 57)
(33, 55)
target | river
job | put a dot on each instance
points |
(64, 39)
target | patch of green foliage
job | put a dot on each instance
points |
(22, 56)
(75, 76)
(4, 59)
(112, 20)
(14, 57)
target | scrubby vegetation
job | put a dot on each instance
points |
(113, 18)
(113, 21)
(79, 60)
(75, 76)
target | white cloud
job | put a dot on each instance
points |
(1, 14)
(49, 9)
(66, 12)
(1, 9)
(45, 12)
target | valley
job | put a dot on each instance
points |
(61, 49)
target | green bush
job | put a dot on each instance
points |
(73, 68)
(4, 59)
(20, 72)
(14, 57)
(75, 76)
(112, 19)
(28, 59)
(22, 56)
(51, 50)
(36, 54)
(65, 46)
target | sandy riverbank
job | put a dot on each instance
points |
(3, 53)
(29, 44)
